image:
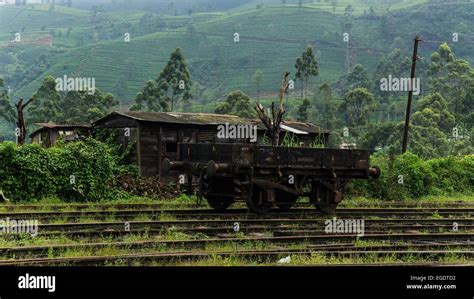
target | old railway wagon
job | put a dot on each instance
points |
(264, 176)
(186, 145)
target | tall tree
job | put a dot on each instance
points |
(7, 112)
(175, 80)
(329, 118)
(84, 107)
(306, 67)
(173, 84)
(356, 77)
(453, 78)
(236, 103)
(302, 111)
(69, 107)
(150, 98)
(329, 115)
(397, 64)
(20, 122)
(357, 105)
(46, 107)
(432, 111)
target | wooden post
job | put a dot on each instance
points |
(410, 95)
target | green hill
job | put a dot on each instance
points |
(271, 39)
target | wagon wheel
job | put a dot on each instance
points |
(327, 200)
(219, 202)
(258, 202)
(285, 200)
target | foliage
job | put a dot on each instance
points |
(50, 105)
(303, 110)
(150, 41)
(266, 140)
(452, 174)
(236, 103)
(357, 106)
(173, 84)
(318, 142)
(329, 119)
(379, 135)
(82, 170)
(46, 106)
(84, 107)
(408, 176)
(432, 122)
(290, 140)
(7, 112)
(306, 66)
(357, 77)
(395, 64)
(453, 78)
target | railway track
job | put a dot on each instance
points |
(190, 235)
(135, 206)
(232, 213)
(260, 255)
(22, 251)
(212, 225)
(449, 239)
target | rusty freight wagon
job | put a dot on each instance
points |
(264, 176)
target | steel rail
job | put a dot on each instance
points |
(238, 212)
(121, 225)
(320, 239)
(265, 255)
(57, 248)
(98, 206)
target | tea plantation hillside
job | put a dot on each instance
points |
(269, 39)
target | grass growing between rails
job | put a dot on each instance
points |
(189, 202)
(440, 200)
(320, 259)
(56, 204)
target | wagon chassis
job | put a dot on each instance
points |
(264, 176)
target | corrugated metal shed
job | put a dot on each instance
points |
(206, 119)
(178, 117)
(44, 126)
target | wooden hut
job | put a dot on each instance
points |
(49, 133)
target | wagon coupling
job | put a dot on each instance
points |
(213, 168)
(167, 165)
(374, 172)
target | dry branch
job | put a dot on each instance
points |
(272, 120)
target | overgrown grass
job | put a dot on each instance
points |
(435, 199)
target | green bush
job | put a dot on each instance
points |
(82, 170)
(452, 174)
(408, 176)
(413, 175)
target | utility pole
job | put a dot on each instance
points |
(410, 95)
